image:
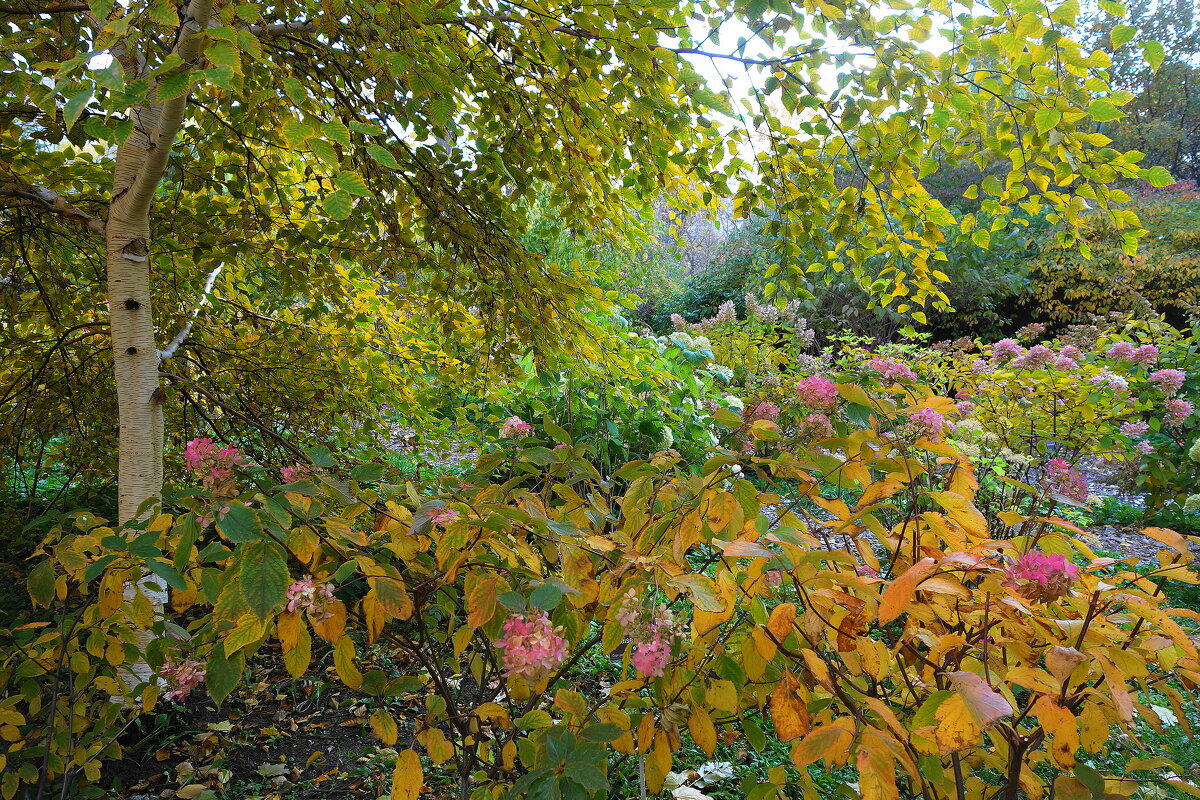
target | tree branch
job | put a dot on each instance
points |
(186, 330)
(35, 11)
(170, 118)
(57, 204)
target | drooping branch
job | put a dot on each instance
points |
(56, 204)
(186, 330)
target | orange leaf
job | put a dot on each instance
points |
(1060, 723)
(789, 713)
(828, 742)
(481, 602)
(899, 592)
(782, 618)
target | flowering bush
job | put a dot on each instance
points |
(849, 591)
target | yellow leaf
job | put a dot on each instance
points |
(384, 726)
(407, 777)
(789, 712)
(343, 662)
(781, 621)
(700, 725)
(481, 602)
(1060, 723)
(876, 771)
(440, 748)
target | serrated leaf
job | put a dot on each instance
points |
(240, 523)
(1154, 53)
(1158, 176)
(74, 107)
(264, 576)
(337, 132)
(175, 84)
(338, 204)
(1103, 111)
(383, 156)
(1046, 119)
(1122, 35)
(352, 182)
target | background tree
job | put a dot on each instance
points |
(362, 167)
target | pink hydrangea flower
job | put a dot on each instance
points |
(1145, 447)
(763, 410)
(1146, 354)
(652, 656)
(1061, 478)
(815, 427)
(818, 393)
(1035, 357)
(211, 464)
(1122, 350)
(892, 370)
(1043, 577)
(1178, 411)
(443, 517)
(515, 427)
(1064, 363)
(867, 571)
(965, 407)
(652, 629)
(1006, 349)
(1072, 352)
(308, 594)
(774, 577)
(532, 646)
(929, 423)
(1169, 380)
(181, 678)
(1134, 429)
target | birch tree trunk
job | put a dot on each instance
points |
(138, 171)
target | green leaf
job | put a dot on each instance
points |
(1158, 176)
(320, 456)
(264, 576)
(1154, 53)
(221, 53)
(382, 155)
(41, 584)
(352, 182)
(367, 473)
(1047, 119)
(339, 203)
(546, 596)
(167, 572)
(1122, 35)
(222, 674)
(441, 108)
(240, 523)
(174, 84)
(337, 132)
(1103, 111)
(74, 106)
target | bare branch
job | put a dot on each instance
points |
(34, 11)
(186, 330)
(57, 204)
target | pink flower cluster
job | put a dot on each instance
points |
(814, 428)
(296, 473)
(818, 393)
(1061, 478)
(928, 423)
(763, 410)
(1006, 349)
(653, 629)
(182, 678)
(1145, 354)
(515, 427)
(213, 465)
(443, 517)
(1177, 412)
(1134, 430)
(308, 594)
(892, 370)
(1043, 577)
(532, 646)
(1169, 380)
